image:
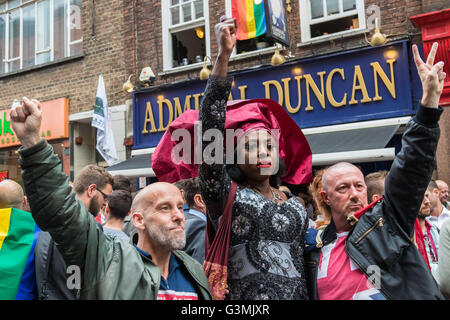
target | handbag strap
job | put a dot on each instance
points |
(230, 201)
(225, 219)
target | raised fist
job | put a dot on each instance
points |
(26, 122)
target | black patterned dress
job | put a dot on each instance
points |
(267, 239)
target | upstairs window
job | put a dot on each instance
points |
(36, 32)
(324, 17)
(185, 38)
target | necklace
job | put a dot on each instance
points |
(275, 196)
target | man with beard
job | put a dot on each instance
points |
(426, 235)
(103, 267)
(158, 216)
(92, 186)
(439, 213)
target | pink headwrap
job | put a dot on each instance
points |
(246, 115)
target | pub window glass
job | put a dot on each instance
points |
(29, 37)
(324, 17)
(187, 32)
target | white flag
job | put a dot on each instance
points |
(101, 120)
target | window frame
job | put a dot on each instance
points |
(306, 21)
(26, 3)
(168, 29)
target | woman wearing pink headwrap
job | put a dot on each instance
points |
(258, 245)
(265, 258)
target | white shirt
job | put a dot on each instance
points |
(438, 221)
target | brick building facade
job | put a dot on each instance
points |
(121, 37)
(146, 44)
(75, 76)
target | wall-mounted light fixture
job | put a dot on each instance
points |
(205, 72)
(277, 58)
(378, 38)
(128, 86)
(288, 7)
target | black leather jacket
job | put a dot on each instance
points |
(382, 236)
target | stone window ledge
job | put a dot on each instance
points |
(41, 66)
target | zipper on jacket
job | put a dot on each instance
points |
(388, 297)
(379, 222)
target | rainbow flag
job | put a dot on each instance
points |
(18, 236)
(251, 18)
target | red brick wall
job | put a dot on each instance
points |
(104, 53)
(394, 21)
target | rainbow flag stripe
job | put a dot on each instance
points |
(251, 18)
(18, 235)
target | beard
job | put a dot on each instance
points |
(95, 205)
(161, 235)
(423, 215)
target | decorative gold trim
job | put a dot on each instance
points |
(217, 278)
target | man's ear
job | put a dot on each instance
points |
(24, 202)
(374, 197)
(107, 210)
(182, 194)
(90, 191)
(436, 193)
(199, 203)
(324, 196)
(138, 220)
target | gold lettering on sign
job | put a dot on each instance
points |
(320, 95)
(177, 107)
(197, 100)
(330, 96)
(390, 85)
(277, 86)
(361, 86)
(287, 94)
(169, 106)
(242, 91)
(149, 119)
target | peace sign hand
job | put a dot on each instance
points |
(431, 75)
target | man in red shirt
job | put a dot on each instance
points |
(366, 251)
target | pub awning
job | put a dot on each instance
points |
(358, 142)
(137, 166)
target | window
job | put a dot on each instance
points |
(323, 17)
(185, 38)
(36, 32)
(243, 46)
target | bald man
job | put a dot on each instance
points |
(366, 251)
(99, 266)
(12, 196)
(443, 193)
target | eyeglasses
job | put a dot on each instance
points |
(105, 196)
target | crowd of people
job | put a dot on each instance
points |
(264, 230)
